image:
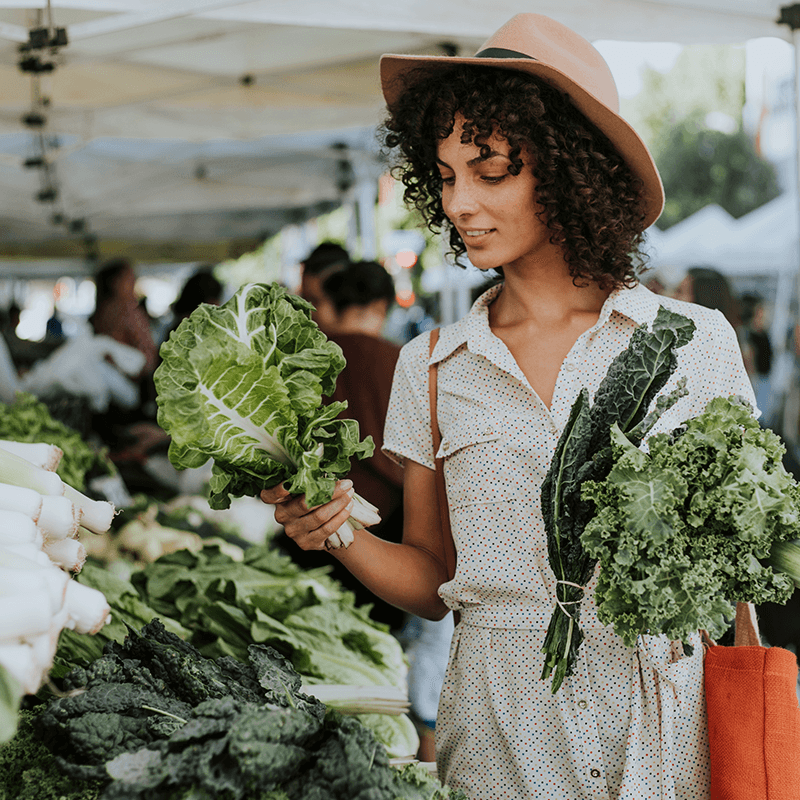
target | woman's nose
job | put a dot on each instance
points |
(460, 200)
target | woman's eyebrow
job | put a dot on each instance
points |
(475, 161)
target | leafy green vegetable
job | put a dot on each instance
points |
(684, 530)
(154, 720)
(28, 420)
(242, 384)
(127, 611)
(29, 771)
(583, 453)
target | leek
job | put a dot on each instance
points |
(46, 456)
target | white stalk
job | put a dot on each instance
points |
(48, 581)
(87, 608)
(18, 471)
(345, 534)
(46, 456)
(60, 518)
(16, 528)
(29, 551)
(11, 560)
(334, 540)
(20, 660)
(24, 616)
(96, 515)
(68, 554)
(363, 514)
(17, 498)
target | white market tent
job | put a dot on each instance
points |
(193, 122)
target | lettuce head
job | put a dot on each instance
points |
(242, 384)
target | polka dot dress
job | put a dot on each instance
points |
(630, 723)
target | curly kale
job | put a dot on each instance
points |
(681, 531)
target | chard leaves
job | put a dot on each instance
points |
(243, 384)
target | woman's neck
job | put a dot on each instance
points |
(547, 295)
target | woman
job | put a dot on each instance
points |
(520, 155)
(118, 313)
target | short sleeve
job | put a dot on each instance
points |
(715, 366)
(732, 377)
(407, 432)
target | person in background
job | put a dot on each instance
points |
(357, 297)
(708, 287)
(118, 314)
(756, 336)
(322, 262)
(201, 287)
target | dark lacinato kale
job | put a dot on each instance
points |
(131, 720)
(583, 453)
(143, 690)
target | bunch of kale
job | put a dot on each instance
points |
(158, 721)
(583, 453)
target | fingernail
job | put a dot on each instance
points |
(348, 484)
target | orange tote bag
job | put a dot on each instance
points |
(753, 717)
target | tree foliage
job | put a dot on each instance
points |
(700, 166)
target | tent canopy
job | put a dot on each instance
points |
(195, 122)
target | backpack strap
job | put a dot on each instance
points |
(448, 543)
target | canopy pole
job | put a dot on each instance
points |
(790, 15)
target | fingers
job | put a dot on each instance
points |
(275, 495)
(310, 527)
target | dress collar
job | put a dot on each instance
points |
(638, 304)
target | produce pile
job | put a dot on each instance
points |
(40, 517)
(153, 719)
(708, 516)
(242, 384)
(222, 606)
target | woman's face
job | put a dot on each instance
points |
(493, 211)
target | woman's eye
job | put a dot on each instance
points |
(493, 178)
(448, 181)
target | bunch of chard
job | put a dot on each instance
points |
(632, 383)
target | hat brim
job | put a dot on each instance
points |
(395, 70)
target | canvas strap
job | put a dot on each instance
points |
(448, 544)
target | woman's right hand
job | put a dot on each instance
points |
(308, 527)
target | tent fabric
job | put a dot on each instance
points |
(204, 120)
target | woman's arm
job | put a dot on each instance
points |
(407, 575)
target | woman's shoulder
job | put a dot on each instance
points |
(706, 320)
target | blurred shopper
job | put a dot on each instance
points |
(118, 314)
(710, 288)
(321, 263)
(201, 287)
(757, 339)
(356, 298)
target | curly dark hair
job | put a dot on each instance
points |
(590, 200)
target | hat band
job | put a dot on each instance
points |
(501, 52)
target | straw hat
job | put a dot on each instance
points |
(541, 46)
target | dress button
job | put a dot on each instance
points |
(571, 367)
(583, 704)
(595, 773)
